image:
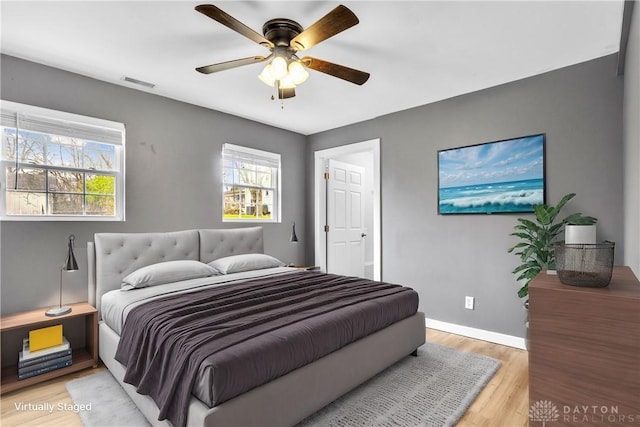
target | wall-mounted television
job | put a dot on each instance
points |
(506, 176)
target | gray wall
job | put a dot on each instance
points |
(173, 183)
(446, 258)
(632, 145)
(173, 177)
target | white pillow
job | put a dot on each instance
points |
(166, 272)
(246, 262)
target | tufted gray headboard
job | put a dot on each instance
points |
(220, 243)
(112, 256)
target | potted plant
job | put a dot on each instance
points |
(537, 238)
(579, 234)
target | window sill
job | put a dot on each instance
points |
(60, 218)
(253, 221)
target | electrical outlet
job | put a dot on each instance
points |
(469, 302)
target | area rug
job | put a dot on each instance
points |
(434, 389)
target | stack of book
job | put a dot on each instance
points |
(32, 363)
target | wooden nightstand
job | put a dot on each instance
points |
(82, 357)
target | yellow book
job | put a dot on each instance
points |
(45, 337)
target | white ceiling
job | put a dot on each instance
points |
(417, 52)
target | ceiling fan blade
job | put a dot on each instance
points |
(334, 22)
(340, 71)
(214, 68)
(229, 21)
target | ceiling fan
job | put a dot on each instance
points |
(285, 38)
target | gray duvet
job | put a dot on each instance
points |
(243, 335)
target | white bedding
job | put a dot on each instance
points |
(117, 304)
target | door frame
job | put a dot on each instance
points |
(320, 159)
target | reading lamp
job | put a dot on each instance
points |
(293, 237)
(69, 265)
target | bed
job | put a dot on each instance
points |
(284, 400)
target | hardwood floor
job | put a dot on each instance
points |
(51, 392)
(505, 399)
(503, 402)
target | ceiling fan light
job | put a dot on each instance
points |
(278, 67)
(287, 82)
(298, 73)
(266, 76)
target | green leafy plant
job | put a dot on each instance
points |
(535, 248)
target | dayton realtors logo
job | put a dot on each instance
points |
(546, 411)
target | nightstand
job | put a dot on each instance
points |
(306, 268)
(83, 358)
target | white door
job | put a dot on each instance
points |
(345, 218)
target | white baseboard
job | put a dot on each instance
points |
(480, 334)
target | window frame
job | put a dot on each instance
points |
(266, 157)
(56, 119)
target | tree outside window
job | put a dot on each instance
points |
(250, 184)
(58, 174)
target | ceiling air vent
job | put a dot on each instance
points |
(138, 82)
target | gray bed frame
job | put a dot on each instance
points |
(284, 401)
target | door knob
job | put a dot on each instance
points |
(363, 235)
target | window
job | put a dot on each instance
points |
(60, 166)
(251, 184)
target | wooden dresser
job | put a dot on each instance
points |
(584, 352)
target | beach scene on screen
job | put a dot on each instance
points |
(497, 177)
